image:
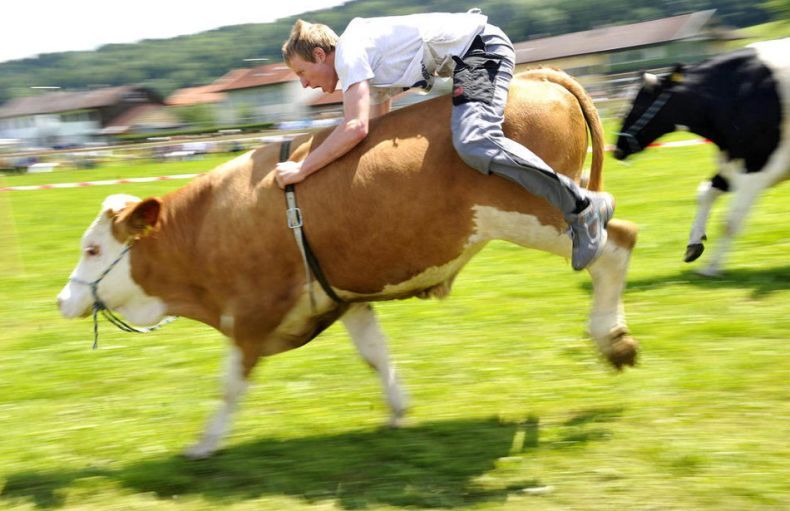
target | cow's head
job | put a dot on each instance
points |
(651, 113)
(122, 220)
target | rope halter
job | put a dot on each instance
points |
(100, 306)
(648, 115)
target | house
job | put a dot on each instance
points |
(267, 93)
(64, 118)
(606, 58)
(205, 100)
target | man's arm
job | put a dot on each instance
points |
(353, 129)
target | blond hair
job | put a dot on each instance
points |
(305, 37)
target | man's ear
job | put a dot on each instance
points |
(138, 220)
(319, 55)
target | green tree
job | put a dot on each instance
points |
(198, 59)
(780, 9)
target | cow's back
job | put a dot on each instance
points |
(398, 203)
(403, 201)
(776, 55)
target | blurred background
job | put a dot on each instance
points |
(511, 406)
(216, 84)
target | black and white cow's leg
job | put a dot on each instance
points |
(607, 319)
(746, 190)
(707, 193)
(363, 327)
(235, 385)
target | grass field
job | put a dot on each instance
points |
(511, 407)
(772, 30)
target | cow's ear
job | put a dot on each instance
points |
(114, 204)
(678, 74)
(649, 81)
(138, 220)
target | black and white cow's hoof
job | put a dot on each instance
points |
(201, 450)
(693, 251)
(709, 271)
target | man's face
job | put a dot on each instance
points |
(319, 74)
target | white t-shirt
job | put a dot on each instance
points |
(399, 52)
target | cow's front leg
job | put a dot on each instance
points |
(707, 193)
(607, 318)
(237, 369)
(364, 329)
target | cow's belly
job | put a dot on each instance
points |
(520, 228)
(490, 224)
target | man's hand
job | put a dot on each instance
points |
(353, 129)
(288, 172)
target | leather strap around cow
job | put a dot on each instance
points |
(294, 216)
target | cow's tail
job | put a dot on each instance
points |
(559, 77)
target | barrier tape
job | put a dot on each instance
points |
(681, 143)
(97, 183)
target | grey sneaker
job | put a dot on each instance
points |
(588, 229)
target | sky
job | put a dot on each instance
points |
(31, 27)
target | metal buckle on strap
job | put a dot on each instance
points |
(294, 216)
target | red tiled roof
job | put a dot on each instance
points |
(205, 93)
(64, 101)
(258, 76)
(195, 96)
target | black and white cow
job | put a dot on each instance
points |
(741, 102)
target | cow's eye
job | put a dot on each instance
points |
(92, 250)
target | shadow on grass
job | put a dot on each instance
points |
(762, 281)
(434, 465)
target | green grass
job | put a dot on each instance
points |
(512, 408)
(765, 31)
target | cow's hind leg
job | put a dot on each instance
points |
(748, 188)
(607, 319)
(364, 329)
(707, 193)
(235, 385)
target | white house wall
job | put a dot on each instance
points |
(46, 130)
(270, 103)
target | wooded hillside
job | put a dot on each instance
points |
(168, 64)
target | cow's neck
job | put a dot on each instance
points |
(706, 107)
(167, 265)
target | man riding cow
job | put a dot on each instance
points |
(376, 58)
(397, 216)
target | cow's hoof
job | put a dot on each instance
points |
(693, 252)
(709, 271)
(397, 421)
(623, 349)
(200, 451)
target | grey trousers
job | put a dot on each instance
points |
(480, 142)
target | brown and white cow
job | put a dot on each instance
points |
(398, 216)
